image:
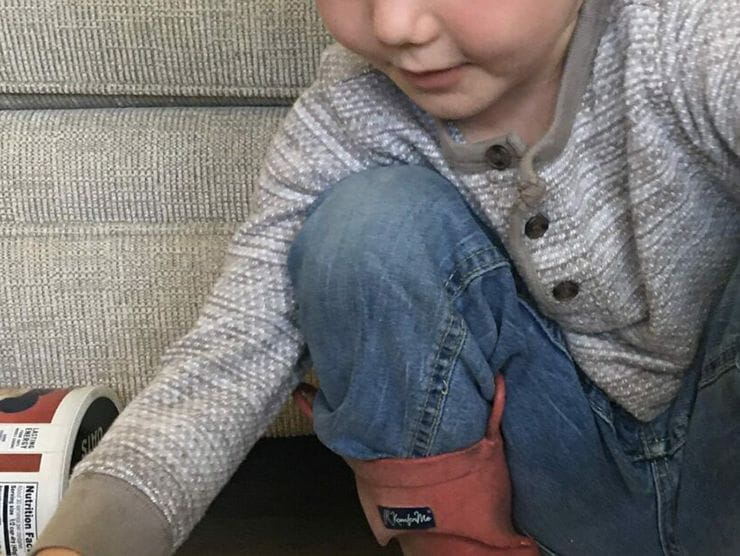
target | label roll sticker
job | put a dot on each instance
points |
(43, 435)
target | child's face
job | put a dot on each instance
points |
(492, 51)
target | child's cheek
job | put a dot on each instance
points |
(490, 29)
(346, 20)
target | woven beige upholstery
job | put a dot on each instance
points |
(242, 48)
(131, 135)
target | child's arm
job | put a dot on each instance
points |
(701, 74)
(175, 446)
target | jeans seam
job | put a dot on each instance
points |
(720, 364)
(474, 273)
(452, 340)
(424, 433)
(666, 530)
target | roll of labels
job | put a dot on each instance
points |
(43, 435)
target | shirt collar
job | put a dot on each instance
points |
(471, 157)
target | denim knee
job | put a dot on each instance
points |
(373, 271)
(376, 224)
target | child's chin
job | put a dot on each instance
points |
(448, 107)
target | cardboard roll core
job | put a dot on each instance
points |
(43, 435)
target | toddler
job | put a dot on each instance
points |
(490, 224)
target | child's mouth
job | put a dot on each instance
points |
(434, 80)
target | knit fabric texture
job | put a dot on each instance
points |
(643, 196)
(132, 133)
(230, 48)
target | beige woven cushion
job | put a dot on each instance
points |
(259, 49)
(113, 226)
(114, 222)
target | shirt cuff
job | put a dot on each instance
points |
(102, 515)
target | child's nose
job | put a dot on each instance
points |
(399, 22)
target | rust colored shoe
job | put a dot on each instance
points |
(454, 504)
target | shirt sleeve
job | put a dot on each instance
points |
(701, 54)
(178, 442)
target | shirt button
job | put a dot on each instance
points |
(499, 157)
(565, 291)
(536, 226)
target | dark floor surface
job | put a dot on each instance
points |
(289, 497)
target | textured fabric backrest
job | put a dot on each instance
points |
(113, 227)
(131, 136)
(143, 166)
(253, 49)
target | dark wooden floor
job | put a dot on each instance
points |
(290, 497)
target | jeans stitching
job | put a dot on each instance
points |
(442, 365)
(665, 498)
(466, 279)
(475, 272)
(718, 366)
(439, 410)
(449, 347)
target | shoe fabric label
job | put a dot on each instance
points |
(407, 519)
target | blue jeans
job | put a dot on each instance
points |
(409, 306)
